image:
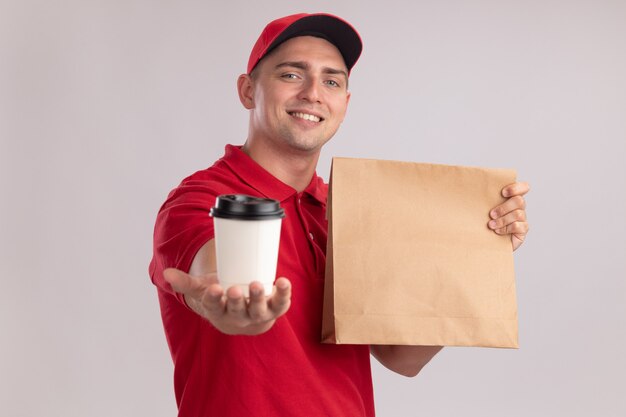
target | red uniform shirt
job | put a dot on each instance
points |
(285, 371)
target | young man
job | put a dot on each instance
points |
(263, 356)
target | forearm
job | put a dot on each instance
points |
(405, 360)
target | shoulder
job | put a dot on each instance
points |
(204, 185)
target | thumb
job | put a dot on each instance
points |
(179, 280)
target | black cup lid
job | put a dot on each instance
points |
(245, 207)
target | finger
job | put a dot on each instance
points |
(517, 240)
(281, 299)
(182, 282)
(200, 295)
(235, 302)
(257, 307)
(519, 229)
(513, 203)
(514, 216)
(517, 188)
(213, 302)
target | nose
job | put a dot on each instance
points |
(310, 91)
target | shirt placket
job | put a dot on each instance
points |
(318, 255)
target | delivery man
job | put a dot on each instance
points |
(262, 355)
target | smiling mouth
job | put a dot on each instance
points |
(306, 116)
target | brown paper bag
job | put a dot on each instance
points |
(410, 259)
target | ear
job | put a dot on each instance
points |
(245, 88)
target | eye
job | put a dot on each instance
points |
(290, 76)
(332, 83)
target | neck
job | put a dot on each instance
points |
(293, 167)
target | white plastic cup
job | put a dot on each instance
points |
(247, 238)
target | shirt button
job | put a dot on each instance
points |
(311, 235)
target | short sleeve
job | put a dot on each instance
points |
(183, 225)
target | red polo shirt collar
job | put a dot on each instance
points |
(265, 183)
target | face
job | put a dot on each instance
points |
(297, 95)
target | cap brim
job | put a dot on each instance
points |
(336, 31)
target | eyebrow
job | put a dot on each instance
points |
(304, 66)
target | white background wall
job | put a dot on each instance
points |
(106, 105)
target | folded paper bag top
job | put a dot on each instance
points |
(429, 273)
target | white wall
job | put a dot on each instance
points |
(106, 105)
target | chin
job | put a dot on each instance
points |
(304, 145)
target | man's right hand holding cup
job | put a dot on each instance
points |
(247, 239)
(229, 311)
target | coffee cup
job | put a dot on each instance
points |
(247, 237)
